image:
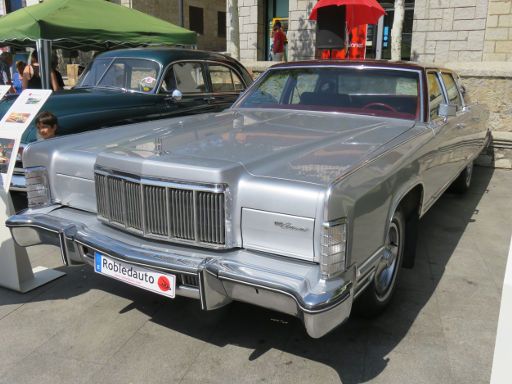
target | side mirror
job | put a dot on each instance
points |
(447, 110)
(176, 95)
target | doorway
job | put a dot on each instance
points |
(378, 40)
(275, 10)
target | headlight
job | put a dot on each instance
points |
(333, 248)
(38, 187)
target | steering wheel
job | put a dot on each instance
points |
(381, 105)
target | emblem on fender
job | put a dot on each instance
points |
(289, 226)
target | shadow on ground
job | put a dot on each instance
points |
(357, 351)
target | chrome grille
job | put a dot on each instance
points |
(155, 214)
(164, 211)
(181, 211)
(211, 214)
(133, 203)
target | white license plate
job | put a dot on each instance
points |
(161, 283)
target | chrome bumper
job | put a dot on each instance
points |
(282, 284)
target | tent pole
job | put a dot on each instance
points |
(44, 53)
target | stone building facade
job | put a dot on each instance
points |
(213, 36)
(442, 30)
(462, 30)
(252, 26)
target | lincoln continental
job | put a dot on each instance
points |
(304, 197)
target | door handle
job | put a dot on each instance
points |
(460, 125)
(209, 98)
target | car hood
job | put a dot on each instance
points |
(300, 146)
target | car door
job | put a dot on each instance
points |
(466, 122)
(438, 162)
(190, 79)
(225, 83)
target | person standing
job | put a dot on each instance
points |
(18, 76)
(5, 68)
(55, 77)
(279, 38)
(31, 74)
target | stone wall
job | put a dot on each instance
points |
(169, 10)
(449, 30)
(251, 24)
(462, 30)
(301, 31)
(498, 33)
(495, 92)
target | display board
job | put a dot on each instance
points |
(15, 121)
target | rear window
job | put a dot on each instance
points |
(373, 91)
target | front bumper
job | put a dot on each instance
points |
(215, 278)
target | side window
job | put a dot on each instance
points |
(435, 95)
(189, 77)
(452, 90)
(224, 79)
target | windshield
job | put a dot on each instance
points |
(370, 91)
(132, 74)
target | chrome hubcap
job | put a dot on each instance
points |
(386, 269)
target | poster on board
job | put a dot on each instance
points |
(15, 121)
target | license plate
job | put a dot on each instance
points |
(161, 283)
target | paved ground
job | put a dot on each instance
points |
(439, 329)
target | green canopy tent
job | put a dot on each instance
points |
(86, 25)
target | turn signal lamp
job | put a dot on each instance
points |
(38, 187)
(333, 248)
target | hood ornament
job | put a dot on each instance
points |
(159, 146)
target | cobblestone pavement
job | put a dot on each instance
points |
(440, 327)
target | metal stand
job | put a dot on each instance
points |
(16, 273)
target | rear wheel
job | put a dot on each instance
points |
(463, 182)
(379, 292)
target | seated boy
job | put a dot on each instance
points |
(46, 123)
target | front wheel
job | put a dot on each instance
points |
(379, 292)
(463, 181)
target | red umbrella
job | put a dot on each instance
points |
(358, 11)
